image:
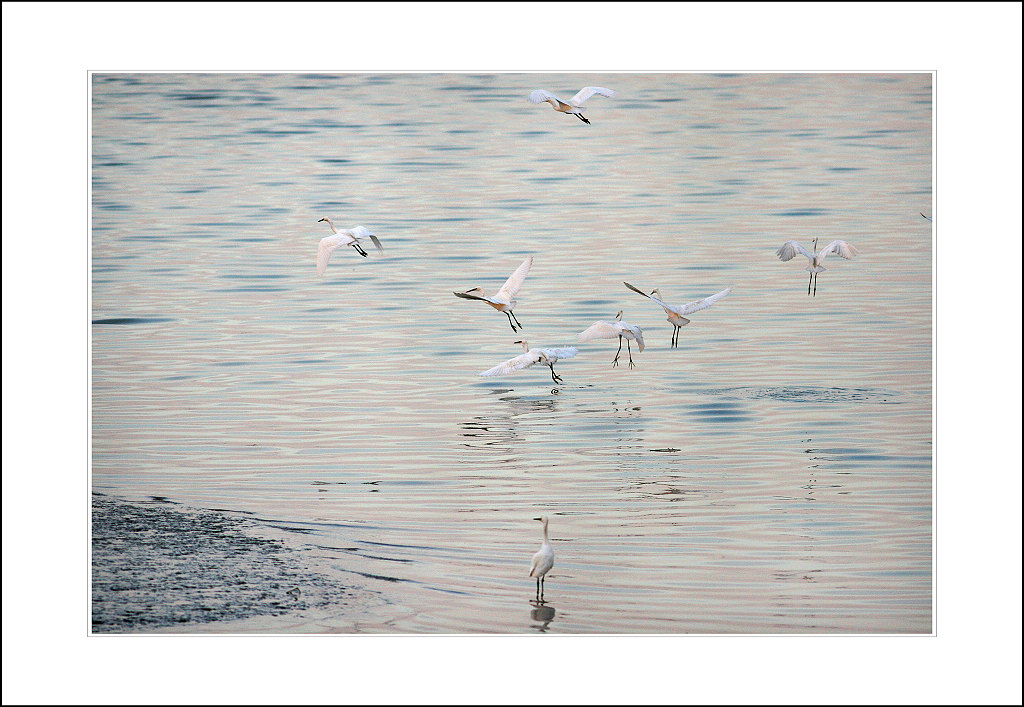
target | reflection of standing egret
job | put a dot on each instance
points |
(543, 560)
(541, 612)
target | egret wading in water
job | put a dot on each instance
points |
(502, 299)
(790, 248)
(573, 106)
(543, 560)
(346, 236)
(675, 312)
(531, 356)
(608, 330)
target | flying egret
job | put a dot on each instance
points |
(675, 312)
(619, 328)
(573, 106)
(502, 299)
(346, 236)
(543, 560)
(531, 356)
(791, 248)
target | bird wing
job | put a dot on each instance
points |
(700, 304)
(540, 95)
(534, 561)
(589, 91)
(556, 354)
(523, 360)
(477, 293)
(599, 330)
(514, 282)
(542, 561)
(360, 232)
(636, 331)
(376, 243)
(328, 245)
(668, 307)
(841, 248)
(790, 249)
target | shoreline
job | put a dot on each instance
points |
(158, 565)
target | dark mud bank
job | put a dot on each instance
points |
(157, 565)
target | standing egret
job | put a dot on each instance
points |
(619, 328)
(543, 560)
(346, 236)
(573, 106)
(531, 356)
(791, 248)
(502, 299)
(675, 312)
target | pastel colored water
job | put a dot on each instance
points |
(771, 474)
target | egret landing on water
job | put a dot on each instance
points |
(531, 356)
(573, 106)
(675, 312)
(608, 330)
(791, 248)
(502, 299)
(346, 236)
(543, 560)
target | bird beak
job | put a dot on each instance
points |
(323, 219)
(538, 519)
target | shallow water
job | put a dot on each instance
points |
(771, 474)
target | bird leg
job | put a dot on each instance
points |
(516, 318)
(358, 249)
(815, 285)
(809, 278)
(615, 361)
(509, 315)
(538, 589)
(675, 336)
(556, 378)
(631, 364)
(580, 116)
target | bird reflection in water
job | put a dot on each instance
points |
(542, 614)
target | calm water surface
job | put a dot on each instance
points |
(771, 474)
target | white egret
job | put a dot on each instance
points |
(675, 312)
(346, 236)
(791, 248)
(502, 299)
(531, 356)
(619, 328)
(543, 560)
(574, 103)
